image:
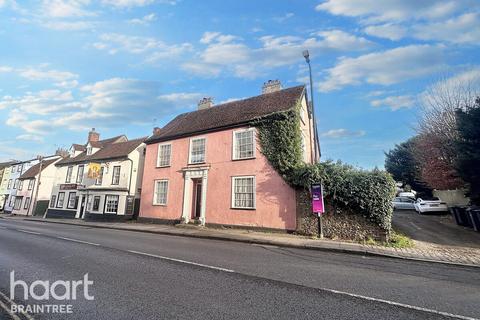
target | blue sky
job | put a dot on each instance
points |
(128, 65)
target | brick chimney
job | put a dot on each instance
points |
(156, 131)
(93, 136)
(271, 86)
(205, 103)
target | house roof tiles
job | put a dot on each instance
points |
(228, 114)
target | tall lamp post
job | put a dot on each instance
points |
(306, 55)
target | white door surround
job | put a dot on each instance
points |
(190, 173)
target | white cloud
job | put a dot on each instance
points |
(393, 10)
(63, 79)
(342, 133)
(145, 20)
(42, 103)
(395, 102)
(386, 67)
(231, 54)
(134, 3)
(462, 29)
(153, 48)
(30, 137)
(20, 119)
(65, 8)
(390, 31)
(68, 25)
(341, 40)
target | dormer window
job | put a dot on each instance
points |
(89, 150)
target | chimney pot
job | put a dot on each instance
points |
(271, 86)
(156, 131)
(205, 103)
(93, 136)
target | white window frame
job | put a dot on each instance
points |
(17, 204)
(27, 203)
(68, 178)
(69, 200)
(31, 183)
(114, 177)
(234, 144)
(190, 150)
(106, 203)
(53, 201)
(93, 203)
(79, 178)
(20, 185)
(99, 180)
(254, 193)
(60, 199)
(9, 186)
(159, 165)
(155, 190)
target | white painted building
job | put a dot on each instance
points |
(114, 195)
(28, 201)
(10, 184)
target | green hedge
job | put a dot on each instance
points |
(369, 193)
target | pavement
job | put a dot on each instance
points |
(423, 251)
(155, 276)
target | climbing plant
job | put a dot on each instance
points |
(364, 192)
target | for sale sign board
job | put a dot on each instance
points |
(317, 198)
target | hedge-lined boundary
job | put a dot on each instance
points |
(364, 192)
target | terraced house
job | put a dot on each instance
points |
(34, 188)
(4, 177)
(207, 166)
(11, 182)
(99, 180)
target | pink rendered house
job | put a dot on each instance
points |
(207, 166)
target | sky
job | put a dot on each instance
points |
(125, 66)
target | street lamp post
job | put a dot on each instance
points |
(306, 55)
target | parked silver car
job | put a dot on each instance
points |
(403, 203)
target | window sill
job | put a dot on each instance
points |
(247, 209)
(240, 159)
(159, 205)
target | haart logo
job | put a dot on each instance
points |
(39, 290)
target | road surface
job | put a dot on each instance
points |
(148, 276)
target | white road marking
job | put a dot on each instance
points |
(2, 227)
(264, 245)
(79, 241)
(398, 304)
(26, 231)
(181, 261)
(15, 317)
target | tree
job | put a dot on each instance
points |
(468, 148)
(436, 151)
(435, 169)
(401, 163)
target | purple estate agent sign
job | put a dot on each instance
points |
(317, 199)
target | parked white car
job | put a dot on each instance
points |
(410, 194)
(403, 203)
(430, 205)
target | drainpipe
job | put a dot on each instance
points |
(40, 158)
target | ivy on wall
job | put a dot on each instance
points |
(368, 193)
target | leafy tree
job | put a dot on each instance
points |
(437, 169)
(468, 148)
(402, 164)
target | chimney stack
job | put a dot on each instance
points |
(156, 131)
(271, 86)
(205, 103)
(93, 136)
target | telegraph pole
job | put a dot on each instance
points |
(40, 159)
